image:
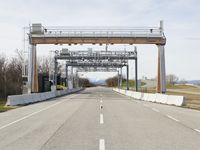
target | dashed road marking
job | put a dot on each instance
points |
(101, 144)
(197, 130)
(172, 118)
(101, 119)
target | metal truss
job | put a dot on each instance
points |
(96, 69)
(95, 55)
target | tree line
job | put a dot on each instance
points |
(10, 76)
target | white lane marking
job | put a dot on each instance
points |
(197, 130)
(101, 119)
(172, 118)
(32, 114)
(101, 144)
(154, 109)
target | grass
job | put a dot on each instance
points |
(131, 84)
(4, 108)
(179, 86)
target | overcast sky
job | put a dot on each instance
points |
(181, 25)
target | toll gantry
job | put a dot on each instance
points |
(39, 34)
(97, 59)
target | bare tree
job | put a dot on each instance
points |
(10, 76)
(171, 79)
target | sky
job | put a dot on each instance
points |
(181, 27)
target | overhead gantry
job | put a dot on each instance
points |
(97, 59)
(39, 34)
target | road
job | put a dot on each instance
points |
(99, 119)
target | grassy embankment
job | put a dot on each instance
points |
(4, 108)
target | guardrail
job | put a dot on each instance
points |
(15, 100)
(157, 98)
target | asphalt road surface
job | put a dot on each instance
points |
(99, 119)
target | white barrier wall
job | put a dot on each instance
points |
(37, 97)
(157, 98)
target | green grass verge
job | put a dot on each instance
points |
(179, 86)
(131, 84)
(4, 108)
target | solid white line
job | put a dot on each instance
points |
(32, 114)
(172, 118)
(101, 119)
(197, 130)
(154, 109)
(101, 144)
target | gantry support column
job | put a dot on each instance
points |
(161, 77)
(118, 79)
(55, 72)
(66, 80)
(136, 70)
(121, 77)
(127, 77)
(33, 72)
(77, 80)
(72, 78)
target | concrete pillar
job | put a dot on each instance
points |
(127, 77)
(33, 72)
(161, 77)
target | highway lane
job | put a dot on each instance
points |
(99, 119)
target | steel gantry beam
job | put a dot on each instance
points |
(65, 54)
(39, 34)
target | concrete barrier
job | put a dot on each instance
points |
(175, 100)
(161, 98)
(157, 98)
(151, 97)
(145, 97)
(14, 100)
